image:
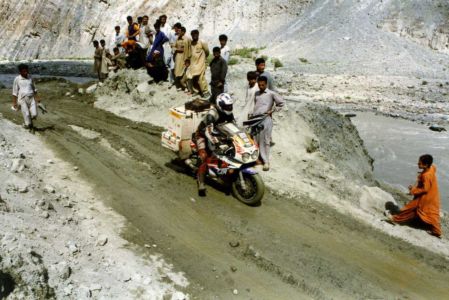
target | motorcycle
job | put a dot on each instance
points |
(231, 163)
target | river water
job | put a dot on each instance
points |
(8, 79)
(396, 144)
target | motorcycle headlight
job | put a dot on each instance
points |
(246, 157)
(255, 154)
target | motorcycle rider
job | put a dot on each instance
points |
(220, 113)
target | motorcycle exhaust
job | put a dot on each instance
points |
(190, 164)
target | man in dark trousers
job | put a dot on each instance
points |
(218, 70)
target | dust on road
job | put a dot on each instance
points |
(284, 249)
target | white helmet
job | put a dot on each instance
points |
(224, 103)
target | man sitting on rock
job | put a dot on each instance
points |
(118, 60)
(136, 55)
(424, 209)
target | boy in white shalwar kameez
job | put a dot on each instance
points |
(25, 96)
(250, 97)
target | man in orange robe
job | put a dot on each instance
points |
(425, 206)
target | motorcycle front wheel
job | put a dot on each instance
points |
(253, 192)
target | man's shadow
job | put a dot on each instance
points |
(42, 128)
(45, 128)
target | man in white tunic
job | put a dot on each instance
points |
(118, 40)
(144, 40)
(172, 35)
(25, 96)
(250, 98)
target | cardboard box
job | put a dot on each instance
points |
(182, 124)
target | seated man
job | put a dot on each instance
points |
(156, 67)
(118, 60)
(424, 209)
(136, 55)
(219, 113)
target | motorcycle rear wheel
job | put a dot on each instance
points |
(255, 189)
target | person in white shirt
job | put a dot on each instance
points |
(225, 51)
(144, 40)
(226, 54)
(118, 40)
(250, 98)
(25, 96)
(170, 32)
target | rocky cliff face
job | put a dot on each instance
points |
(64, 29)
(424, 22)
(395, 37)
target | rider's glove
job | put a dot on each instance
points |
(210, 136)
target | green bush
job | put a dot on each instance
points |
(233, 61)
(303, 60)
(245, 52)
(277, 63)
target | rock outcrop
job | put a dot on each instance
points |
(397, 37)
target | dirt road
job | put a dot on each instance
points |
(284, 249)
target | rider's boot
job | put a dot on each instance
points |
(201, 185)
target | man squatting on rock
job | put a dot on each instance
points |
(25, 95)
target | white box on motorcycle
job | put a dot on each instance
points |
(182, 124)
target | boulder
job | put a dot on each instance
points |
(373, 199)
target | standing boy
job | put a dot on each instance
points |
(266, 101)
(186, 81)
(224, 48)
(25, 95)
(218, 71)
(260, 70)
(250, 98)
